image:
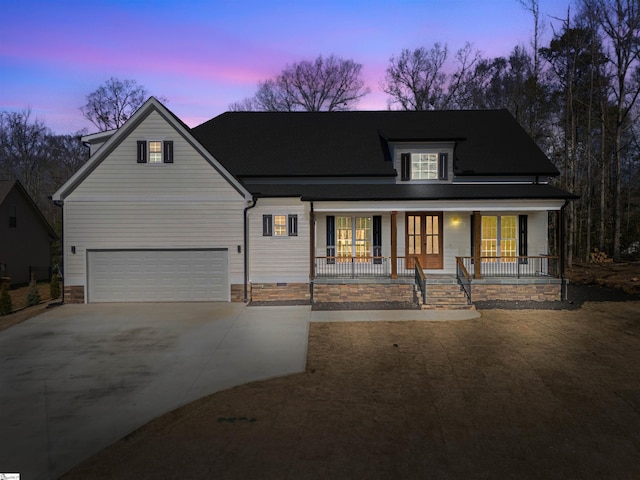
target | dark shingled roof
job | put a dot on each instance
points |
(314, 192)
(295, 144)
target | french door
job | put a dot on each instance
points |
(424, 237)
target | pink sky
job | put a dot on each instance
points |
(203, 55)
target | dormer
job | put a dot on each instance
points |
(423, 162)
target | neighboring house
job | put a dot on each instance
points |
(324, 206)
(25, 236)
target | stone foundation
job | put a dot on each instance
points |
(237, 292)
(365, 292)
(280, 292)
(73, 294)
(524, 292)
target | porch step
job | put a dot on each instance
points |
(446, 296)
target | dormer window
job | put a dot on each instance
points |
(424, 166)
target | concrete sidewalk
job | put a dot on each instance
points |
(79, 377)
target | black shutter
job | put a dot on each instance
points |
(293, 225)
(168, 151)
(267, 223)
(377, 239)
(405, 167)
(522, 237)
(443, 166)
(142, 151)
(331, 239)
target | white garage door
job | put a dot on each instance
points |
(158, 275)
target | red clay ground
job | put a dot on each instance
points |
(522, 394)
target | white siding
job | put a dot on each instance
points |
(279, 258)
(123, 205)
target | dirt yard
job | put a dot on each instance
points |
(625, 276)
(524, 394)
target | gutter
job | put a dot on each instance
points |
(60, 203)
(246, 249)
(563, 288)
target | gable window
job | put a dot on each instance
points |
(155, 151)
(279, 225)
(423, 166)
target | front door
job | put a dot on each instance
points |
(424, 239)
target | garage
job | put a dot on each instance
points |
(176, 275)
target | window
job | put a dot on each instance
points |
(424, 166)
(155, 151)
(13, 218)
(353, 238)
(279, 225)
(499, 236)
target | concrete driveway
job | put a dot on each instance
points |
(79, 377)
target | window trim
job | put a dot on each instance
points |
(441, 165)
(290, 225)
(144, 153)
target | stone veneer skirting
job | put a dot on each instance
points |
(516, 292)
(363, 292)
(280, 292)
(73, 294)
(237, 292)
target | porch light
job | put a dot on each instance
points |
(455, 221)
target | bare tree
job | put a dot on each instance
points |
(415, 80)
(329, 84)
(620, 21)
(113, 103)
(23, 150)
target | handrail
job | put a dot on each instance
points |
(466, 283)
(421, 279)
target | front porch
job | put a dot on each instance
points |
(521, 278)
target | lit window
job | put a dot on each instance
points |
(155, 152)
(279, 225)
(499, 236)
(353, 237)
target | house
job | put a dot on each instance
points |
(314, 207)
(25, 236)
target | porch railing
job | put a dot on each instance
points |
(355, 267)
(464, 279)
(420, 279)
(515, 267)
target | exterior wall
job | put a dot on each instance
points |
(28, 244)
(279, 259)
(126, 205)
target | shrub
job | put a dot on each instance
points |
(54, 286)
(6, 307)
(33, 297)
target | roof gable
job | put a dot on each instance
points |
(152, 105)
(356, 143)
(7, 186)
